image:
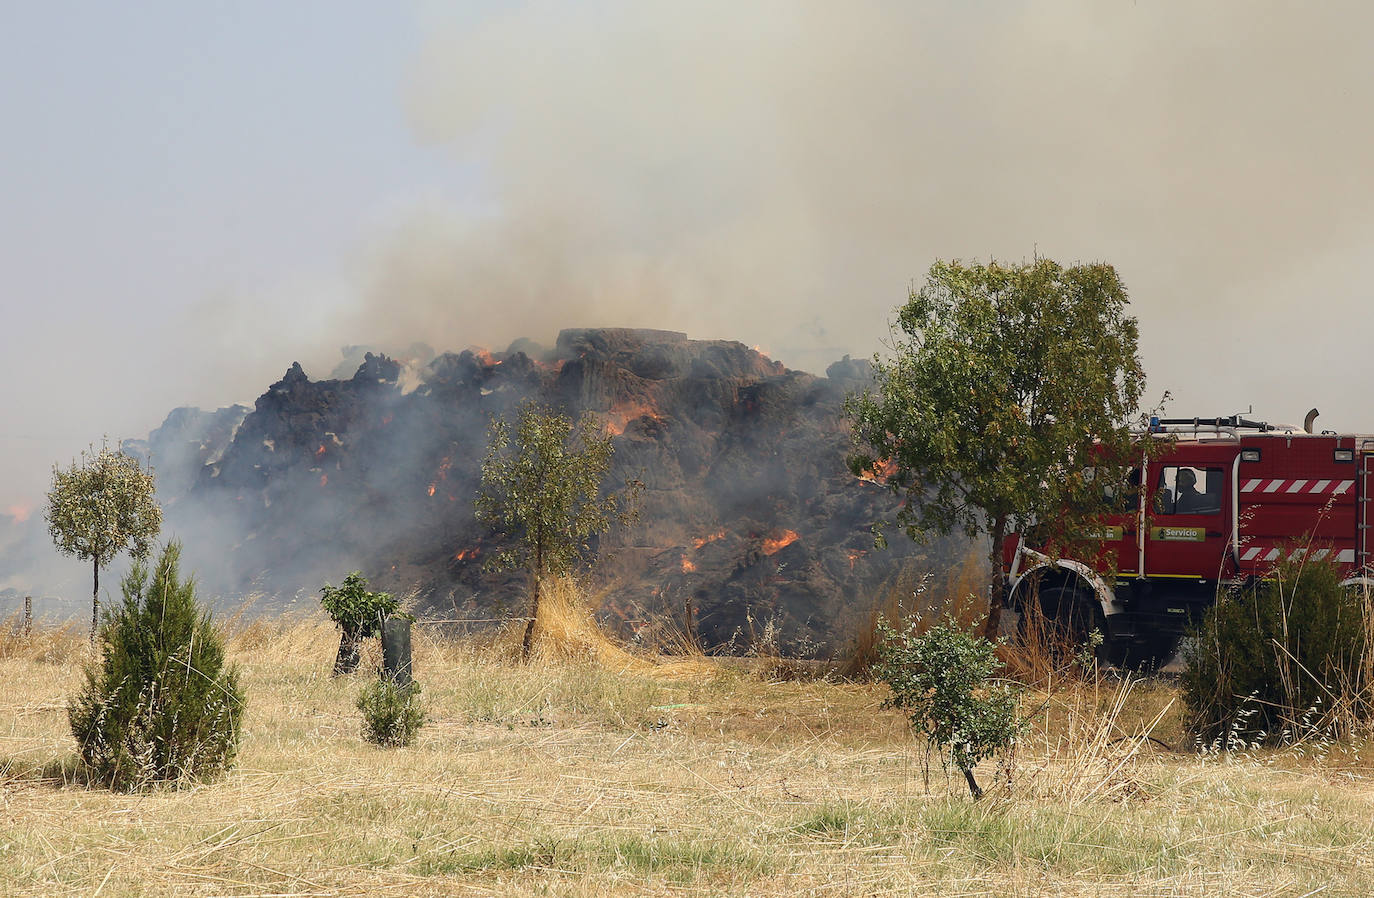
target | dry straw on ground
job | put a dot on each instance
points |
(588, 772)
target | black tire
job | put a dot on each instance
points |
(1071, 615)
(1152, 655)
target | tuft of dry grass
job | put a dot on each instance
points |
(578, 774)
(566, 631)
(958, 593)
(49, 644)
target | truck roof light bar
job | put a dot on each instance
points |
(1230, 426)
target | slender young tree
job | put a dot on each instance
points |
(1008, 400)
(100, 506)
(541, 486)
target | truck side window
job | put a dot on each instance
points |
(1187, 490)
(1122, 496)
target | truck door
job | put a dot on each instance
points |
(1188, 534)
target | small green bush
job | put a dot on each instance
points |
(359, 614)
(391, 713)
(943, 680)
(1278, 661)
(161, 707)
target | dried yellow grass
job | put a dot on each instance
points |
(48, 643)
(566, 631)
(573, 776)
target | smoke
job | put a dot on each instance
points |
(778, 173)
(782, 172)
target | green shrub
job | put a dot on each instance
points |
(943, 680)
(391, 713)
(1278, 661)
(161, 706)
(359, 614)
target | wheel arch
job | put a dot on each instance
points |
(1047, 573)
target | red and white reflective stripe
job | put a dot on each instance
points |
(1272, 553)
(1306, 487)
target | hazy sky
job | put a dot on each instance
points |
(197, 194)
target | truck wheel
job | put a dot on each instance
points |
(1071, 616)
(1151, 655)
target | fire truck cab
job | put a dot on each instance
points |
(1226, 500)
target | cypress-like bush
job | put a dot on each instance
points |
(161, 706)
(1275, 662)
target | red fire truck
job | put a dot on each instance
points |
(1222, 504)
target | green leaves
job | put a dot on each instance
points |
(392, 715)
(1279, 661)
(162, 706)
(542, 486)
(1004, 383)
(103, 505)
(943, 680)
(357, 611)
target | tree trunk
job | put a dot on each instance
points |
(974, 789)
(95, 598)
(529, 625)
(992, 627)
(349, 655)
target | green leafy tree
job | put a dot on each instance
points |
(1007, 402)
(99, 507)
(541, 486)
(359, 614)
(943, 680)
(161, 706)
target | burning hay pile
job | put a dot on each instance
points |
(748, 514)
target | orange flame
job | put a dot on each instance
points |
(319, 451)
(622, 413)
(687, 566)
(324, 480)
(467, 554)
(700, 541)
(772, 545)
(441, 474)
(885, 470)
(485, 357)
(386, 420)
(20, 511)
(855, 555)
(550, 367)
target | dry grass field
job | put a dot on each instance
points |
(592, 771)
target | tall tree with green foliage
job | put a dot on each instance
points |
(99, 507)
(542, 487)
(162, 705)
(1008, 400)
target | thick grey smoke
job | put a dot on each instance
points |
(781, 172)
